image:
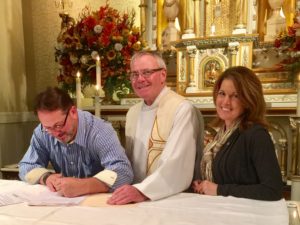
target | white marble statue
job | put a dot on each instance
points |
(171, 9)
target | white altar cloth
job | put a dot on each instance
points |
(181, 209)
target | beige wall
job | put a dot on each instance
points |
(12, 64)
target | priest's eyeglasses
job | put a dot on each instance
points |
(134, 75)
(57, 127)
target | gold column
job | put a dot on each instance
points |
(162, 22)
(190, 16)
(143, 8)
(263, 8)
(282, 150)
(288, 9)
(283, 158)
(191, 50)
(295, 124)
(197, 18)
(241, 14)
(186, 16)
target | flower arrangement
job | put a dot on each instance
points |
(289, 43)
(105, 33)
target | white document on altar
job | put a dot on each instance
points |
(41, 195)
(14, 192)
(8, 188)
(9, 199)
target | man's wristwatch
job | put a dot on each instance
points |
(45, 177)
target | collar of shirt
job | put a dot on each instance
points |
(156, 102)
(81, 129)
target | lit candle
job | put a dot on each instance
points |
(212, 29)
(97, 102)
(78, 90)
(98, 72)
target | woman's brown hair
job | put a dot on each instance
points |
(250, 92)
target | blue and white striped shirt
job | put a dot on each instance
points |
(96, 147)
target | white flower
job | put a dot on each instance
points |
(94, 55)
(73, 59)
(115, 96)
(98, 29)
(118, 47)
(84, 59)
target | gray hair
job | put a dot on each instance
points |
(161, 63)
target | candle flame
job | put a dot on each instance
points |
(97, 87)
(98, 58)
(78, 74)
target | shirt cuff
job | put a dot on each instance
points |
(108, 177)
(34, 175)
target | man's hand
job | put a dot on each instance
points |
(126, 194)
(51, 180)
(73, 187)
(68, 186)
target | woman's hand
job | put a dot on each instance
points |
(196, 186)
(204, 187)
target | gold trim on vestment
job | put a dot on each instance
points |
(155, 148)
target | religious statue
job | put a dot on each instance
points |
(66, 23)
(276, 23)
(211, 73)
(66, 20)
(171, 9)
(296, 24)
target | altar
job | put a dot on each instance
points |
(183, 208)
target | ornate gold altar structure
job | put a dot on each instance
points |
(201, 60)
(210, 17)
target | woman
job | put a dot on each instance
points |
(241, 160)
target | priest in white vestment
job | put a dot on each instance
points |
(164, 135)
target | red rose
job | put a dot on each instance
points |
(277, 43)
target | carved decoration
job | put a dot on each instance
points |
(211, 68)
(200, 61)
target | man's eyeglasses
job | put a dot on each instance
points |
(134, 75)
(56, 127)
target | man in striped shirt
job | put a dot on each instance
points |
(84, 151)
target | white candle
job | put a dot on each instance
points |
(78, 90)
(98, 72)
(97, 102)
(212, 29)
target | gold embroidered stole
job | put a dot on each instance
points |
(155, 148)
(161, 128)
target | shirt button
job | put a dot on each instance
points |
(71, 163)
